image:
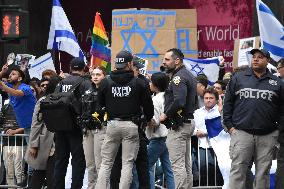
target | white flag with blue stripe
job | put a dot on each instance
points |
(271, 31)
(61, 35)
(209, 67)
(220, 142)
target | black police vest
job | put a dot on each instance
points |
(122, 101)
(89, 103)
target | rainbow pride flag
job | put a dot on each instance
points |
(100, 51)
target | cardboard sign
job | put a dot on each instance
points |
(242, 47)
(40, 64)
(149, 33)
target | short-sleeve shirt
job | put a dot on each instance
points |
(23, 105)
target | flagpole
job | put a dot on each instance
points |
(59, 61)
(59, 57)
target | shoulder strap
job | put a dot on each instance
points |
(73, 88)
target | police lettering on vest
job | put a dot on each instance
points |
(255, 94)
(120, 91)
(65, 88)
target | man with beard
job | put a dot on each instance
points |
(178, 116)
(20, 95)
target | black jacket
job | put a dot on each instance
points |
(181, 94)
(252, 104)
(71, 80)
(124, 96)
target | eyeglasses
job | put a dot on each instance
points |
(43, 85)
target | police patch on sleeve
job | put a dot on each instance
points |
(176, 80)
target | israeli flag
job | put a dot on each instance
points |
(61, 35)
(271, 31)
(220, 142)
(209, 67)
(272, 173)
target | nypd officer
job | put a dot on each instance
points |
(179, 108)
(253, 111)
(123, 95)
(70, 141)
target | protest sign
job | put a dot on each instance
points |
(241, 50)
(149, 33)
(40, 64)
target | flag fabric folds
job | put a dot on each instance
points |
(209, 67)
(271, 31)
(220, 142)
(61, 35)
(100, 51)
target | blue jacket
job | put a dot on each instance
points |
(252, 104)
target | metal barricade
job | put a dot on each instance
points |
(12, 163)
(201, 183)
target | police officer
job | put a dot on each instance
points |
(67, 142)
(123, 95)
(179, 107)
(253, 105)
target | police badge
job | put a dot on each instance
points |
(176, 80)
(272, 82)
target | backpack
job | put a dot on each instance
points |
(58, 110)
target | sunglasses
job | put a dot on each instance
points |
(43, 85)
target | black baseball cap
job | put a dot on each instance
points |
(77, 64)
(262, 51)
(122, 58)
(136, 62)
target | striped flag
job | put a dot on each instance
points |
(209, 67)
(100, 51)
(220, 142)
(271, 31)
(61, 35)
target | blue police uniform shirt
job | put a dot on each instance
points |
(23, 105)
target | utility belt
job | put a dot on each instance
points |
(137, 120)
(92, 122)
(177, 121)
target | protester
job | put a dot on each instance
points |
(179, 108)
(280, 157)
(20, 95)
(48, 74)
(280, 68)
(43, 85)
(40, 154)
(251, 114)
(13, 147)
(206, 153)
(157, 134)
(202, 83)
(123, 95)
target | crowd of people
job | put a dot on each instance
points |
(125, 122)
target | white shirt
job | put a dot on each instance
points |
(199, 118)
(161, 131)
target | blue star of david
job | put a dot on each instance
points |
(197, 69)
(282, 38)
(136, 29)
